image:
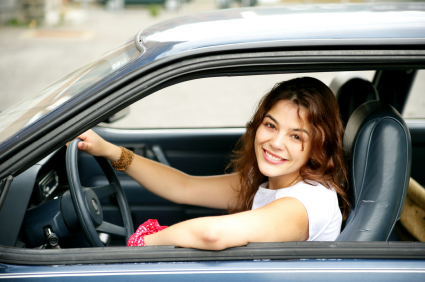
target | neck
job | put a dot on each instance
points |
(280, 182)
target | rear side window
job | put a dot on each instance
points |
(415, 105)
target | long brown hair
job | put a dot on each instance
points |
(327, 162)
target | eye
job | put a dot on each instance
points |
(269, 125)
(296, 137)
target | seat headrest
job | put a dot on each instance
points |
(352, 90)
(380, 146)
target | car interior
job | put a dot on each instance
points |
(385, 151)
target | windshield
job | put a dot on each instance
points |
(35, 107)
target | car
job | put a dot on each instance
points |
(224, 4)
(168, 4)
(368, 51)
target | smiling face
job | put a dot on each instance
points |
(279, 144)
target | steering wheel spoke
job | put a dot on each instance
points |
(112, 229)
(103, 191)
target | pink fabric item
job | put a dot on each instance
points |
(149, 227)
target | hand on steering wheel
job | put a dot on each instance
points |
(86, 200)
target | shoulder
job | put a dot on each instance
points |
(309, 191)
(321, 205)
(315, 197)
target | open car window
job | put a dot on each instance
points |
(210, 102)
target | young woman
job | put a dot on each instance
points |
(289, 172)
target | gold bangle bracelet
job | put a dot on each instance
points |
(124, 161)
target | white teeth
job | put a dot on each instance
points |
(273, 157)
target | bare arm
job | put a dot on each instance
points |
(176, 186)
(169, 183)
(283, 220)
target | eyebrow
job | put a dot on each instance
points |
(303, 130)
(272, 118)
(293, 129)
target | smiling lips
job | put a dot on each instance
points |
(272, 158)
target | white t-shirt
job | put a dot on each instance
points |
(324, 215)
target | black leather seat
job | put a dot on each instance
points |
(352, 90)
(380, 146)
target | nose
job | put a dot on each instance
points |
(278, 142)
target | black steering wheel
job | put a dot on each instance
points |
(86, 200)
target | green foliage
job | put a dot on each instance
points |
(15, 22)
(154, 9)
(62, 18)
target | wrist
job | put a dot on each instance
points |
(146, 234)
(112, 152)
(148, 240)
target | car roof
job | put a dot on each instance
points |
(285, 26)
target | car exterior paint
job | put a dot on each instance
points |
(302, 270)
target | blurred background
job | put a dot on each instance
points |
(43, 40)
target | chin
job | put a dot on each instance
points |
(270, 173)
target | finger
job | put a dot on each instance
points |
(83, 136)
(82, 146)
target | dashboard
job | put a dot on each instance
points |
(43, 182)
